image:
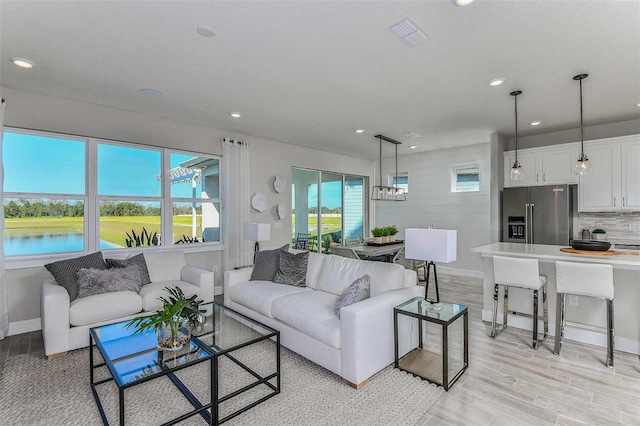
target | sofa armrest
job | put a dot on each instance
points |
(54, 305)
(410, 278)
(367, 333)
(202, 278)
(233, 277)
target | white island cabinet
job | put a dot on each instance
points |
(626, 276)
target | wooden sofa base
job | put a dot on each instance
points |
(55, 356)
(358, 386)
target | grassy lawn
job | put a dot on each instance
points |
(112, 228)
(329, 224)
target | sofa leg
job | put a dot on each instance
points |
(55, 356)
(358, 386)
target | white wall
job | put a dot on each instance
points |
(430, 200)
(268, 158)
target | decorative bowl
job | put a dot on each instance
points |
(590, 245)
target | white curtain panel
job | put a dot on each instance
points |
(238, 251)
(4, 302)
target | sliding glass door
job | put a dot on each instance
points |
(329, 208)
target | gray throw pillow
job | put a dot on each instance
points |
(356, 292)
(98, 281)
(292, 269)
(64, 271)
(134, 260)
(266, 264)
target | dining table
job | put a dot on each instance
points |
(375, 250)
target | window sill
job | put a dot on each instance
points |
(21, 262)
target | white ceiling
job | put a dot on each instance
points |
(311, 72)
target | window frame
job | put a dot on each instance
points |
(391, 177)
(92, 200)
(455, 171)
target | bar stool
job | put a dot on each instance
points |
(584, 279)
(521, 273)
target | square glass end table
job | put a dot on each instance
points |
(132, 359)
(438, 368)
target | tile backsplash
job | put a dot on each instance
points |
(616, 224)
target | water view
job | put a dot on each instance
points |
(20, 244)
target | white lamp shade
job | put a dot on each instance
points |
(257, 231)
(434, 245)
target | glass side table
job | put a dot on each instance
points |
(438, 368)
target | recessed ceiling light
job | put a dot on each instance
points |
(638, 105)
(496, 82)
(463, 3)
(535, 123)
(22, 62)
(413, 146)
(150, 93)
(235, 114)
(359, 130)
(205, 31)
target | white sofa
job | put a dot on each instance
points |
(65, 324)
(355, 345)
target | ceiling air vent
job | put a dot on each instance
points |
(409, 31)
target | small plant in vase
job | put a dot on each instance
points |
(392, 233)
(377, 235)
(172, 322)
(599, 234)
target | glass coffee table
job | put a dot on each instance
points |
(438, 367)
(135, 359)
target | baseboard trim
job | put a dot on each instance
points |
(578, 334)
(26, 326)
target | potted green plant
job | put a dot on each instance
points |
(171, 323)
(392, 233)
(377, 235)
(599, 234)
(385, 234)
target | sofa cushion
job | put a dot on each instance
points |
(356, 292)
(266, 264)
(104, 307)
(165, 265)
(259, 295)
(313, 269)
(293, 269)
(151, 293)
(339, 272)
(98, 281)
(133, 260)
(311, 312)
(65, 271)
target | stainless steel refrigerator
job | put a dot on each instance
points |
(539, 214)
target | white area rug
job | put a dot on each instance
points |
(35, 391)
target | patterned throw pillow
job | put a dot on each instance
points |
(266, 264)
(356, 292)
(64, 271)
(98, 281)
(137, 260)
(292, 269)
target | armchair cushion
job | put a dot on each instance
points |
(65, 271)
(98, 281)
(133, 260)
(104, 307)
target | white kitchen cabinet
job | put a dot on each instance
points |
(614, 182)
(630, 191)
(543, 166)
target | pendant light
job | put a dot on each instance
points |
(583, 167)
(388, 193)
(516, 170)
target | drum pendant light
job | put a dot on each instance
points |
(516, 170)
(583, 167)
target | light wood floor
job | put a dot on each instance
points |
(509, 383)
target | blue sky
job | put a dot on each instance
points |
(331, 194)
(58, 166)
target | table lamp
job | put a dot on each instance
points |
(257, 232)
(431, 245)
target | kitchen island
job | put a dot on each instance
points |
(583, 310)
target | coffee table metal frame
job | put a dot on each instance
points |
(431, 316)
(213, 417)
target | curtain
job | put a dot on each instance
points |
(4, 302)
(236, 196)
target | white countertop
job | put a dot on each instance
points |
(547, 253)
